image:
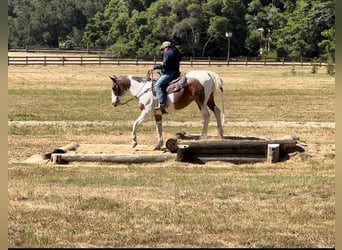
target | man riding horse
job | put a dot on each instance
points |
(170, 70)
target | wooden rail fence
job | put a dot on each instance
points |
(106, 60)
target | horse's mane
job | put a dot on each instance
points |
(139, 79)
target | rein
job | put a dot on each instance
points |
(140, 94)
(136, 96)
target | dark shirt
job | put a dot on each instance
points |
(171, 61)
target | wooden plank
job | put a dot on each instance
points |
(232, 158)
(113, 158)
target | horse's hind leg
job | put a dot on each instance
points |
(205, 116)
(211, 104)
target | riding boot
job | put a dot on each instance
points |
(162, 107)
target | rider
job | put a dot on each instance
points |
(170, 70)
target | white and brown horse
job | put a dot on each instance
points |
(200, 88)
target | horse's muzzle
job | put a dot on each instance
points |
(115, 101)
(115, 104)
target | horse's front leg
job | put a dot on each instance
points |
(159, 125)
(139, 120)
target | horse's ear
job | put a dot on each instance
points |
(113, 78)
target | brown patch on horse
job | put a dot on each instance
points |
(194, 91)
(120, 85)
(158, 117)
(211, 103)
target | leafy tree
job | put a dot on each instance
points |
(129, 28)
(328, 44)
(302, 33)
(96, 31)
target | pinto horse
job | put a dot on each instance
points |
(200, 87)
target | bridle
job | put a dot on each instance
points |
(116, 88)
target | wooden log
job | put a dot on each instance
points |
(69, 147)
(232, 146)
(227, 147)
(114, 158)
(172, 145)
(183, 153)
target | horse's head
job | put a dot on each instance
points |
(119, 87)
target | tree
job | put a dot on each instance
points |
(95, 33)
(302, 33)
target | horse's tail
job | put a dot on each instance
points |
(218, 82)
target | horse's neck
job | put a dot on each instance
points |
(137, 88)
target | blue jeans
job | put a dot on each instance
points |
(162, 84)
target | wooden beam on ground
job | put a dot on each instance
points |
(231, 149)
(111, 158)
(69, 147)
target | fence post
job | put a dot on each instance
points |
(283, 61)
(264, 60)
(191, 61)
(44, 60)
(209, 61)
(246, 61)
(99, 60)
(26, 60)
(63, 60)
(81, 60)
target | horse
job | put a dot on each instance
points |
(200, 87)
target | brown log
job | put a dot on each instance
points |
(114, 158)
(172, 145)
(183, 154)
(69, 147)
(232, 146)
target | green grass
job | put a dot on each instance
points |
(284, 205)
(139, 206)
(91, 105)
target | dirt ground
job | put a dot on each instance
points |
(98, 146)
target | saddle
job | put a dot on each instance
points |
(174, 86)
(177, 84)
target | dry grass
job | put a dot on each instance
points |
(288, 204)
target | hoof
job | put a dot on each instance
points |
(134, 144)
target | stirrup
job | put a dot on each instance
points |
(162, 108)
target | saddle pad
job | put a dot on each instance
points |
(177, 85)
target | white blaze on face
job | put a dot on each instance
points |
(115, 99)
